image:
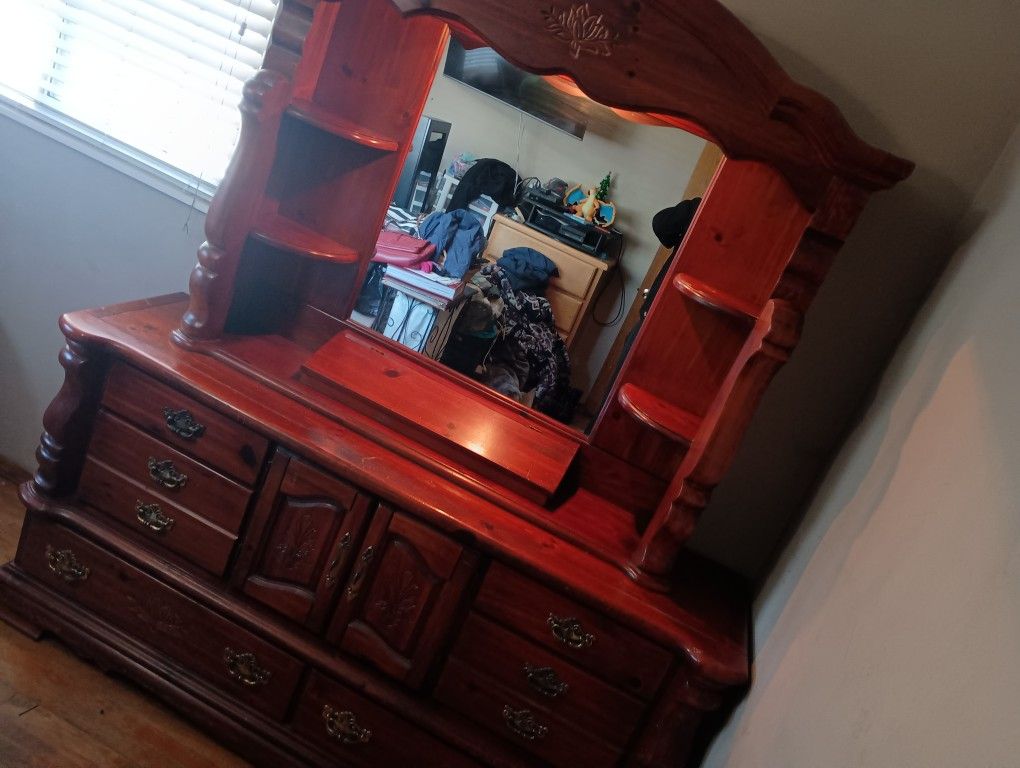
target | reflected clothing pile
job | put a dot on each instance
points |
(458, 238)
(527, 352)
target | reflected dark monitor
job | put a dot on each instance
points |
(487, 71)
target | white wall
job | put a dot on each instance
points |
(73, 234)
(889, 632)
(651, 166)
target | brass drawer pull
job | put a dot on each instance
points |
(244, 668)
(182, 423)
(545, 681)
(522, 723)
(359, 575)
(343, 726)
(570, 632)
(166, 474)
(65, 564)
(152, 517)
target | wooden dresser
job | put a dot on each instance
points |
(316, 599)
(328, 550)
(580, 275)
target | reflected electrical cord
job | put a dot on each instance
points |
(618, 314)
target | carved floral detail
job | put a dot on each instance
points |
(586, 32)
(401, 599)
(298, 542)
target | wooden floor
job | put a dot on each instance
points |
(58, 712)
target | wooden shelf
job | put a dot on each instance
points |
(281, 232)
(673, 423)
(313, 114)
(705, 294)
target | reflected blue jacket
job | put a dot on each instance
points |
(459, 234)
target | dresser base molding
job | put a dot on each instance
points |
(115, 653)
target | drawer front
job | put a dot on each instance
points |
(600, 645)
(485, 702)
(186, 424)
(565, 308)
(542, 679)
(208, 646)
(168, 472)
(302, 541)
(161, 521)
(399, 602)
(358, 732)
(575, 275)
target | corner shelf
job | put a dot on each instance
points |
(672, 422)
(286, 234)
(314, 115)
(705, 294)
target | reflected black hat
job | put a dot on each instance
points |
(670, 224)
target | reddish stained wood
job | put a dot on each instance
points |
(399, 602)
(289, 235)
(485, 700)
(117, 444)
(68, 420)
(710, 296)
(742, 239)
(693, 60)
(333, 123)
(306, 531)
(173, 624)
(186, 533)
(223, 444)
(610, 650)
(320, 178)
(713, 635)
(237, 202)
(768, 348)
(392, 742)
(488, 649)
(371, 377)
(668, 420)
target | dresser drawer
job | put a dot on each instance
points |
(565, 309)
(600, 645)
(168, 472)
(162, 522)
(542, 679)
(575, 273)
(358, 732)
(484, 701)
(208, 646)
(184, 423)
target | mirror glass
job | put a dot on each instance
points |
(520, 239)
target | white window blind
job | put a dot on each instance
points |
(158, 77)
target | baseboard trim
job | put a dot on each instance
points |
(12, 472)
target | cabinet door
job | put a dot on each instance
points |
(301, 541)
(403, 595)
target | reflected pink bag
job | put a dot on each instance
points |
(402, 249)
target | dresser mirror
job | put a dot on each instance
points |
(554, 328)
(329, 126)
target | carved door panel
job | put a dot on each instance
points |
(301, 542)
(403, 595)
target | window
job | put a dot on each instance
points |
(159, 80)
